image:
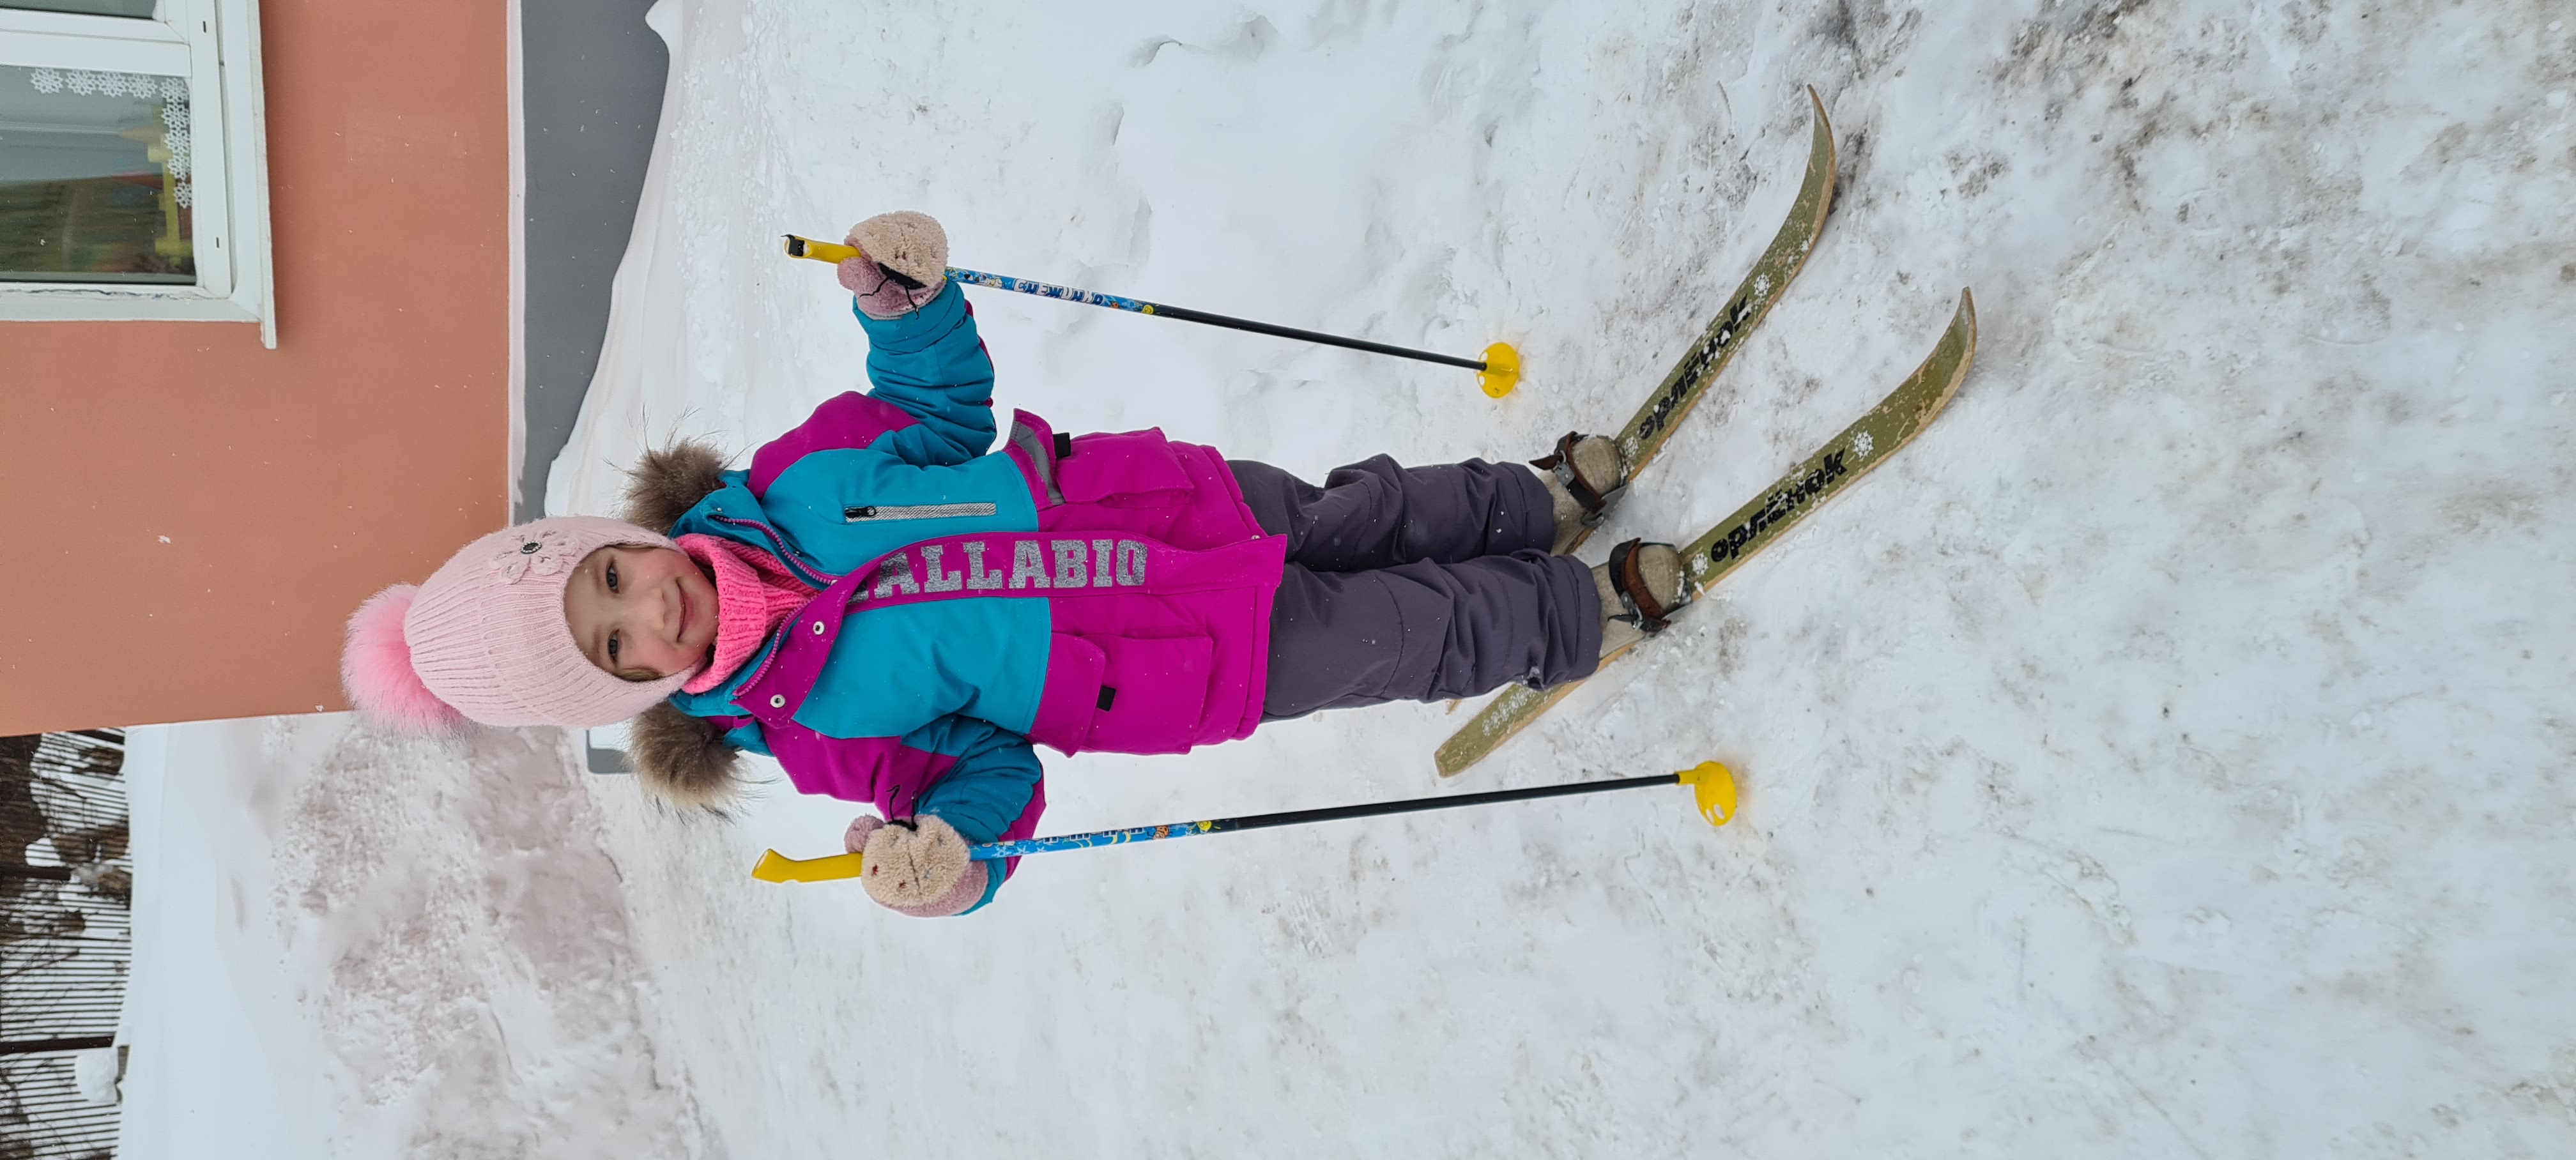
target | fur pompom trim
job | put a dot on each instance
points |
(681, 759)
(376, 669)
(667, 483)
(684, 760)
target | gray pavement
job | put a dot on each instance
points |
(592, 94)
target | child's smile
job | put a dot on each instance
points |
(641, 612)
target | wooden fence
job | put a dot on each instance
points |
(65, 887)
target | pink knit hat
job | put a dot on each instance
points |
(485, 638)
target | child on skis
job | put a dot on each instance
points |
(895, 612)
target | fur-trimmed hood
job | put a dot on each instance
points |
(682, 759)
(665, 484)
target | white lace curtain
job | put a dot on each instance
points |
(172, 92)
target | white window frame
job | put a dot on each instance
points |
(215, 44)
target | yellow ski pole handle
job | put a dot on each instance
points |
(777, 867)
(828, 253)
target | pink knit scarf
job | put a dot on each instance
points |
(753, 593)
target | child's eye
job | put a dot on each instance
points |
(612, 648)
(612, 577)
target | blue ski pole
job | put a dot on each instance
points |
(1711, 785)
(1498, 372)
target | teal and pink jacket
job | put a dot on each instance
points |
(1091, 592)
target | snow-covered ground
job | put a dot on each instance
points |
(349, 945)
(2168, 755)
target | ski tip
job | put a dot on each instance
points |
(1502, 370)
(1822, 157)
(1713, 788)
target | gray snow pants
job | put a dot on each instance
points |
(1417, 584)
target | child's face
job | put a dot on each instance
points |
(641, 612)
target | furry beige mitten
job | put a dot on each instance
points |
(906, 242)
(911, 865)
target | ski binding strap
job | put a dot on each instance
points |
(1628, 579)
(1560, 462)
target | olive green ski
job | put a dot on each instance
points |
(1645, 434)
(1757, 525)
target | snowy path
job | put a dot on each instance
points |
(2167, 756)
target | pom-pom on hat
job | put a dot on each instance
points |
(484, 639)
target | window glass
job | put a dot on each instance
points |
(142, 8)
(94, 177)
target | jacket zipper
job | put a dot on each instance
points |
(811, 575)
(914, 511)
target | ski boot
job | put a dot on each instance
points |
(1584, 476)
(1641, 589)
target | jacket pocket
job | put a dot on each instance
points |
(1152, 692)
(1132, 469)
(862, 513)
